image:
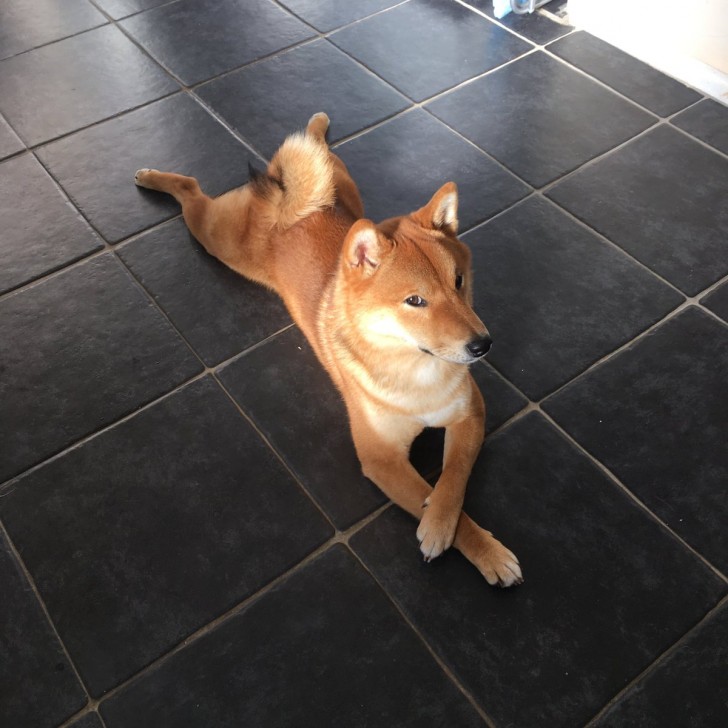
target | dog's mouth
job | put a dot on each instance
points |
(448, 356)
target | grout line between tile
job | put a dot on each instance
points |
(656, 663)
(430, 649)
(34, 588)
(107, 247)
(631, 495)
(338, 537)
(497, 22)
(274, 450)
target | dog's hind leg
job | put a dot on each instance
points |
(217, 223)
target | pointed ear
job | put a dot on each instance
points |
(364, 247)
(441, 212)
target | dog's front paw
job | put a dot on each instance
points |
(498, 564)
(436, 531)
(140, 177)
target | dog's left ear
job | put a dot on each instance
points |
(441, 212)
(364, 247)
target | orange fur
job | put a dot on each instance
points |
(382, 309)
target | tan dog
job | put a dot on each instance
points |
(387, 310)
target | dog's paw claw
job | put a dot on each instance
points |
(500, 566)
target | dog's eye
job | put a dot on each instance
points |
(415, 301)
(458, 282)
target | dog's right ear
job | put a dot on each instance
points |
(364, 247)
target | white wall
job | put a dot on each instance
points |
(687, 39)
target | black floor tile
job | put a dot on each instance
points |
(153, 529)
(77, 82)
(688, 689)
(534, 26)
(121, 8)
(40, 229)
(30, 23)
(80, 350)
(606, 589)
(426, 46)
(90, 720)
(717, 301)
(316, 77)
(555, 297)
(291, 399)
(37, 686)
(540, 117)
(401, 164)
(323, 648)
(219, 312)
(662, 199)
(655, 415)
(199, 39)
(632, 78)
(9, 141)
(96, 166)
(708, 121)
(325, 15)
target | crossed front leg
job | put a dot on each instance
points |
(385, 461)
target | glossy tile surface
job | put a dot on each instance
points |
(77, 81)
(708, 121)
(219, 312)
(606, 589)
(37, 686)
(688, 688)
(415, 154)
(325, 15)
(636, 80)
(9, 141)
(655, 415)
(534, 26)
(41, 231)
(538, 95)
(555, 297)
(426, 46)
(81, 349)
(317, 77)
(155, 528)
(121, 8)
(90, 720)
(661, 199)
(165, 136)
(291, 399)
(198, 39)
(717, 301)
(26, 24)
(177, 476)
(361, 669)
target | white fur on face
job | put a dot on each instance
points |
(383, 324)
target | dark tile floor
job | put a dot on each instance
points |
(186, 538)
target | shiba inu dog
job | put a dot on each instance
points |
(387, 310)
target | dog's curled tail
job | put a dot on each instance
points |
(299, 180)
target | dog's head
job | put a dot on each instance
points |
(410, 284)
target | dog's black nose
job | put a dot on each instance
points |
(479, 346)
